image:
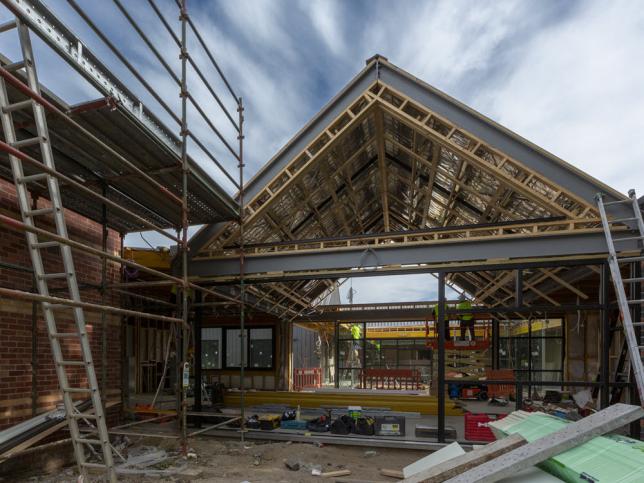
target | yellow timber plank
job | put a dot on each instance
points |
(396, 402)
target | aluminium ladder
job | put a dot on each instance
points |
(22, 182)
(635, 345)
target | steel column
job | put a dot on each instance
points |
(518, 288)
(440, 324)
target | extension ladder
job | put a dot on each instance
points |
(635, 345)
(29, 215)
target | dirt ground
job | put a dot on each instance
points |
(220, 461)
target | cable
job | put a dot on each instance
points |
(147, 242)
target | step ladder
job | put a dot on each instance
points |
(30, 215)
(634, 343)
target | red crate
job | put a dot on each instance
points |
(476, 427)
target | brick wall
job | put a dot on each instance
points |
(28, 382)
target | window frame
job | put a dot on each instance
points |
(247, 367)
(220, 349)
(528, 374)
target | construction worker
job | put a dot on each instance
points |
(447, 334)
(466, 319)
(356, 331)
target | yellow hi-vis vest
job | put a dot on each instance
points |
(465, 305)
(436, 312)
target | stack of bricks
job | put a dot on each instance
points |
(28, 382)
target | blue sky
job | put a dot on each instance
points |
(564, 74)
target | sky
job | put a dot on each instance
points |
(566, 75)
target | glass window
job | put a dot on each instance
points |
(351, 331)
(389, 355)
(513, 328)
(233, 348)
(350, 353)
(534, 354)
(547, 328)
(261, 348)
(258, 348)
(373, 353)
(349, 378)
(211, 348)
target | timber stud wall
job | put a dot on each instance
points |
(25, 392)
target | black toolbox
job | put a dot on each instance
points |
(390, 425)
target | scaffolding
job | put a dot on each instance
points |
(133, 193)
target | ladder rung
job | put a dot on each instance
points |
(47, 244)
(84, 416)
(634, 279)
(39, 212)
(618, 202)
(27, 142)
(635, 302)
(621, 220)
(638, 324)
(16, 106)
(71, 363)
(58, 306)
(78, 389)
(49, 276)
(630, 259)
(93, 465)
(15, 66)
(64, 335)
(628, 238)
(5, 27)
(89, 441)
(33, 177)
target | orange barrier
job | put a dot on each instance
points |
(307, 378)
(390, 379)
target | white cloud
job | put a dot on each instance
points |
(443, 41)
(326, 18)
(263, 22)
(577, 91)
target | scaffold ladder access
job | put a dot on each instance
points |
(634, 300)
(99, 444)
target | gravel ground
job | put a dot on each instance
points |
(219, 461)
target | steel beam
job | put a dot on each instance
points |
(554, 245)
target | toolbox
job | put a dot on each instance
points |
(269, 421)
(390, 425)
(293, 424)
